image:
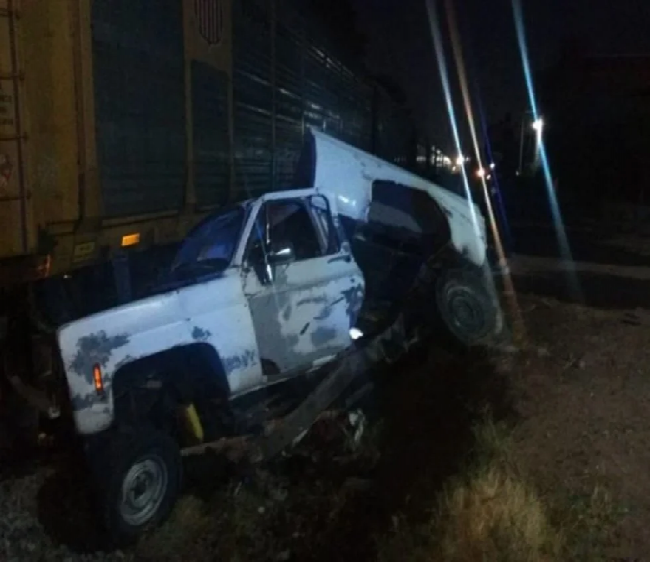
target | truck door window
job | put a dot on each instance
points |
(284, 223)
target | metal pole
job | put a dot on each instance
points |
(19, 136)
(274, 155)
(521, 143)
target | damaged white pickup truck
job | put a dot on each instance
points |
(261, 298)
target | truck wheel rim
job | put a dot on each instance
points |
(466, 312)
(143, 490)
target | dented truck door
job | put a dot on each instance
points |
(302, 284)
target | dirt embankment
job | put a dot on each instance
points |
(584, 403)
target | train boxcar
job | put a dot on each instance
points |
(102, 129)
(123, 121)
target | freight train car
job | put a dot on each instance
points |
(123, 121)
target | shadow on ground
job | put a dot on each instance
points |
(597, 290)
(66, 509)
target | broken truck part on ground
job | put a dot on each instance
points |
(270, 311)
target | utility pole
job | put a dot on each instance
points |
(522, 139)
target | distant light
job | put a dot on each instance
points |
(489, 177)
(454, 168)
(492, 166)
(480, 172)
(355, 333)
(538, 125)
(460, 160)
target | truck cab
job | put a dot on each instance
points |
(265, 289)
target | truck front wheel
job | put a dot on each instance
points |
(140, 477)
(467, 309)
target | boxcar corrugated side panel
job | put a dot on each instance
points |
(284, 80)
(14, 235)
(38, 151)
(52, 156)
(211, 144)
(138, 63)
(289, 98)
(253, 96)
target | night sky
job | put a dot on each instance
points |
(400, 45)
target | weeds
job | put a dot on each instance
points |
(587, 521)
(494, 515)
(230, 522)
(187, 523)
(491, 513)
(487, 513)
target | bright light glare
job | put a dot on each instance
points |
(436, 35)
(460, 161)
(480, 172)
(538, 124)
(562, 239)
(492, 166)
(355, 333)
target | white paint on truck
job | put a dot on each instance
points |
(349, 173)
(296, 321)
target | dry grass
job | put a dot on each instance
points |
(494, 515)
(229, 523)
(187, 523)
(488, 513)
(588, 523)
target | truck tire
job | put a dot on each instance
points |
(140, 477)
(466, 308)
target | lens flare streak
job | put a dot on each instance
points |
(457, 51)
(444, 78)
(558, 223)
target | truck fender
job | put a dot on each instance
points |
(178, 376)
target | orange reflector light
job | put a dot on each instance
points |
(131, 239)
(97, 377)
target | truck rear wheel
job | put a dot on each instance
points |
(466, 308)
(140, 477)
